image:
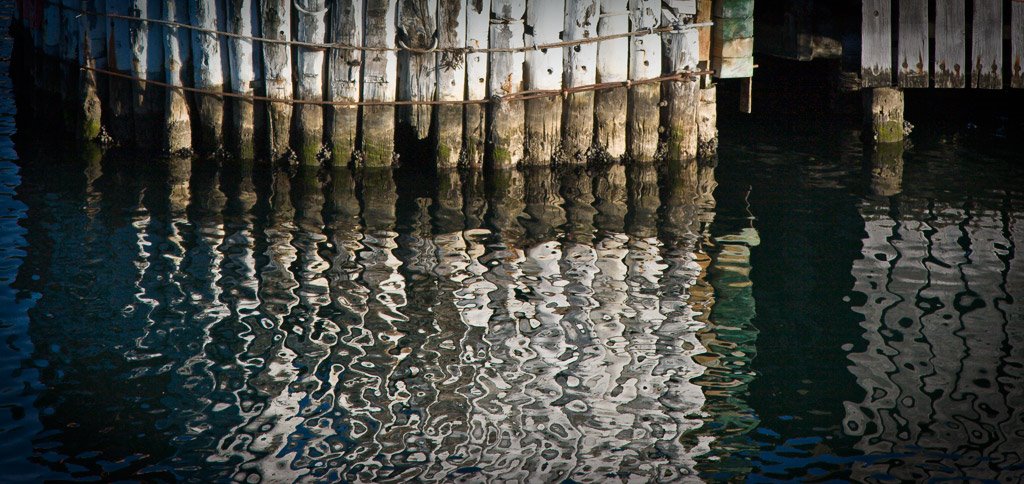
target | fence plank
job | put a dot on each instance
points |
(380, 72)
(343, 75)
(876, 43)
(913, 44)
(987, 45)
(451, 81)
(478, 23)
(1017, 44)
(610, 104)
(950, 33)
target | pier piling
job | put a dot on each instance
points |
(581, 22)
(344, 79)
(311, 28)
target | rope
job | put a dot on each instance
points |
(402, 47)
(518, 96)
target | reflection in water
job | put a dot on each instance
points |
(941, 368)
(258, 323)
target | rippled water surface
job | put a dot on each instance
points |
(801, 310)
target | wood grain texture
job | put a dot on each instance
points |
(682, 97)
(277, 75)
(478, 20)
(451, 81)
(581, 22)
(506, 77)
(311, 26)
(912, 51)
(612, 66)
(344, 70)
(876, 43)
(380, 73)
(177, 47)
(242, 19)
(417, 28)
(949, 67)
(644, 63)
(987, 45)
(208, 74)
(543, 70)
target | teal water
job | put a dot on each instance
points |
(801, 310)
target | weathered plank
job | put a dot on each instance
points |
(478, 22)
(581, 22)
(681, 97)
(311, 26)
(1017, 44)
(208, 75)
(417, 28)
(506, 77)
(380, 73)
(987, 45)
(950, 54)
(241, 20)
(177, 47)
(451, 80)
(876, 43)
(343, 75)
(913, 44)
(610, 104)
(644, 63)
(543, 70)
(277, 74)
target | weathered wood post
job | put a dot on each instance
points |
(177, 46)
(612, 66)
(683, 96)
(478, 22)
(1017, 45)
(883, 109)
(707, 123)
(93, 52)
(581, 22)
(506, 78)
(417, 28)
(311, 28)
(147, 63)
(544, 21)
(343, 75)
(68, 52)
(644, 63)
(277, 75)
(208, 75)
(451, 80)
(380, 68)
(241, 20)
(119, 60)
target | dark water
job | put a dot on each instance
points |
(801, 310)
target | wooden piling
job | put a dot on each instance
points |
(987, 45)
(883, 109)
(417, 28)
(380, 68)
(208, 75)
(478, 22)
(543, 70)
(581, 22)
(950, 53)
(610, 104)
(887, 169)
(644, 99)
(277, 75)
(242, 21)
(451, 80)
(312, 28)
(147, 63)
(119, 59)
(343, 76)
(707, 124)
(682, 98)
(68, 52)
(90, 111)
(177, 46)
(506, 77)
